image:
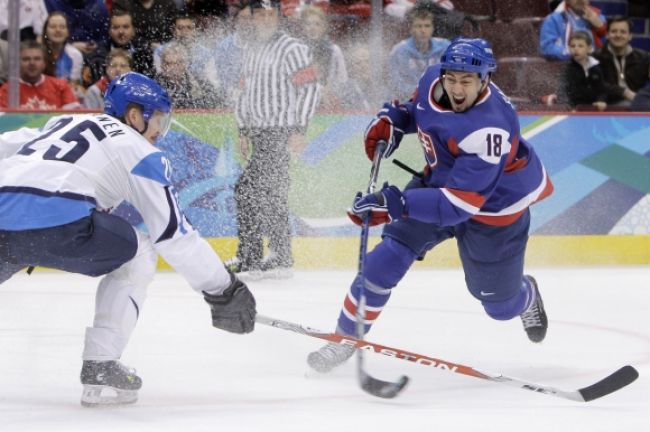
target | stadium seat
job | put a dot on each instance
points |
(507, 10)
(517, 38)
(527, 79)
(475, 7)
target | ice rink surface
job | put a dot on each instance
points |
(197, 378)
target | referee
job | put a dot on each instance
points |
(278, 95)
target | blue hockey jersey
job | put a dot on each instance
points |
(477, 164)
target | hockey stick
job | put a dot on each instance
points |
(616, 381)
(370, 384)
(407, 168)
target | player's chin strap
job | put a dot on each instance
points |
(370, 384)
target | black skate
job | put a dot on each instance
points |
(534, 319)
(108, 383)
(329, 356)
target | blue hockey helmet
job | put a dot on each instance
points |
(139, 89)
(469, 55)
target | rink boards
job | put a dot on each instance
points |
(599, 164)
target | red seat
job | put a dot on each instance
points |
(527, 79)
(508, 10)
(517, 38)
(475, 7)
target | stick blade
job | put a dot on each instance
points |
(616, 381)
(383, 389)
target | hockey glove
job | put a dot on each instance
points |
(234, 309)
(381, 207)
(386, 126)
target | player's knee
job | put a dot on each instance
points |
(388, 262)
(142, 268)
(509, 308)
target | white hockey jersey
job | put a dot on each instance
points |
(78, 163)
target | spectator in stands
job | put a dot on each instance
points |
(360, 93)
(399, 8)
(582, 80)
(153, 19)
(568, 17)
(185, 89)
(327, 56)
(185, 35)
(32, 16)
(410, 57)
(625, 68)
(122, 35)
(37, 90)
(62, 60)
(227, 59)
(118, 62)
(87, 22)
(4, 61)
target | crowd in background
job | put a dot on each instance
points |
(71, 49)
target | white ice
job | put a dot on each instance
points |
(197, 378)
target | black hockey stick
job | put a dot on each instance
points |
(370, 384)
(615, 381)
(407, 168)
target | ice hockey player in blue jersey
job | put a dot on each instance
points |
(479, 179)
(57, 187)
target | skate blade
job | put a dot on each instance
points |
(252, 275)
(278, 273)
(98, 395)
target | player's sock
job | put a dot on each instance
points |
(329, 356)
(108, 382)
(534, 318)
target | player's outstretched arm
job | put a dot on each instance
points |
(234, 309)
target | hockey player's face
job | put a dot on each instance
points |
(463, 89)
(157, 127)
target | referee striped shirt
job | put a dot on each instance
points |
(278, 85)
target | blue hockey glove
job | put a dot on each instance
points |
(381, 207)
(386, 126)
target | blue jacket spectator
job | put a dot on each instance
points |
(568, 17)
(411, 57)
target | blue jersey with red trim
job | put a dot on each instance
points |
(477, 164)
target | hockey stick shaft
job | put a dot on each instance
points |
(370, 384)
(617, 380)
(407, 168)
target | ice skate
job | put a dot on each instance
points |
(329, 356)
(244, 271)
(534, 318)
(108, 383)
(273, 268)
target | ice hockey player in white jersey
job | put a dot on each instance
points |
(57, 187)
